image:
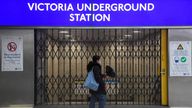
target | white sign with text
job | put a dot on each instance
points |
(12, 53)
(180, 58)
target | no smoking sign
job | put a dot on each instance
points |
(12, 46)
(12, 53)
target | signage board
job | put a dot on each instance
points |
(12, 53)
(180, 58)
(99, 13)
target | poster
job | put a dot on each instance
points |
(12, 53)
(180, 58)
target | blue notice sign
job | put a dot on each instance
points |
(99, 13)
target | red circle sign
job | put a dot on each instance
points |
(12, 46)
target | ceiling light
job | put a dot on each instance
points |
(136, 31)
(63, 32)
(67, 36)
(72, 40)
(120, 40)
(128, 35)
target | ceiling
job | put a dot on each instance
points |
(102, 34)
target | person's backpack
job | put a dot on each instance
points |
(90, 82)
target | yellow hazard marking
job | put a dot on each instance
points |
(164, 67)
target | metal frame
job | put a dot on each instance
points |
(61, 65)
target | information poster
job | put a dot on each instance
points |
(180, 58)
(12, 53)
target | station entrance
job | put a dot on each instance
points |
(62, 55)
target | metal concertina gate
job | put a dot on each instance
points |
(62, 55)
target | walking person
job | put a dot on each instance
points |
(100, 94)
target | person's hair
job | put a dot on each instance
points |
(95, 58)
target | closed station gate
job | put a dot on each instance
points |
(62, 55)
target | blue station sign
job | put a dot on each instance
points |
(95, 13)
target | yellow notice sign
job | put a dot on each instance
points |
(180, 47)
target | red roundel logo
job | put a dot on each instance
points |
(12, 46)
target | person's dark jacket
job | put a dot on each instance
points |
(98, 77)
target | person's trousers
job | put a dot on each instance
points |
(100, 97)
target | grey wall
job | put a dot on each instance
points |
(180, 88)
(17, 88)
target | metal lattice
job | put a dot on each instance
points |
(62, 56)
